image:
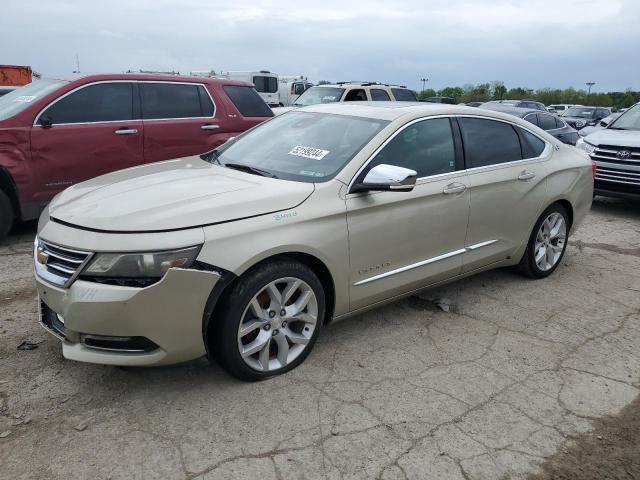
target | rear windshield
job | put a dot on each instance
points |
(316, 95)
(404, 95)
(266, 84)
(16, 101)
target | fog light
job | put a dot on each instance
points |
(118, 344)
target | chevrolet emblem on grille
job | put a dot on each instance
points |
(623, 154)
(41, 256)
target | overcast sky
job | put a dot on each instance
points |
(529, 43)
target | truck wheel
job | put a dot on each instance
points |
(6, 215)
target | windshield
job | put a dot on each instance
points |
(300, 146)
(19, 99)
(629, 120)
(578, 112)
(316, 95)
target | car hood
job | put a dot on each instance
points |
(173, 195)
(622, 138)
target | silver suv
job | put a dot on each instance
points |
(244, 254)
(351, 92)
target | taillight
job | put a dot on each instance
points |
(594, 167)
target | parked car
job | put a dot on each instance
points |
(579, 117)
(598, 126)
(548, 122)
(561, 107)
(321, 213)
(616, 151)
(447, 100)
(351, 92)
(55, 133)
(533, 104)
(291, 87)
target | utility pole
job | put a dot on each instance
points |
(424, 81)
(589, 84)
(77, 70)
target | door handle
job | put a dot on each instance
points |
(232, 115)
(126, 131)
(526, 175)
(454, 188)
(210, 127)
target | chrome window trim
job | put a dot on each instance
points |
(80, 87)
(542, 157)
(422, 263)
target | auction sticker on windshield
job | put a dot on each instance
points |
(308, 152)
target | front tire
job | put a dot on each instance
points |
(6, 215)
(269, 321)
(547, 243)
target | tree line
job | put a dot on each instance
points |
(498, 91)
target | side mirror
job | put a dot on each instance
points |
(603, 123)
(45, 121)
(385, 177)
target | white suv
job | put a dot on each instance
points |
(351, 92)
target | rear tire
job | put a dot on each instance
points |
(269, 321)
(6, 215)
(547, 243)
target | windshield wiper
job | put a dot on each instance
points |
(618, 128)
(249, 169)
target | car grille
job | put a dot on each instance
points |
(59, 265)
(618, 165)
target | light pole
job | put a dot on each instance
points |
(589, 84)
(424, 80)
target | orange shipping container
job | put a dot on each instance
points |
(15, 75)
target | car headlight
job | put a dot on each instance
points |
(150, 266)
(580, 123)
(585, 146)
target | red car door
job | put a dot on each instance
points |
(85, 133)
(180, 119)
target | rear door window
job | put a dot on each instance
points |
(247, 101)
(174, 100)
(489, 142)
(101, 102)
(532, 118)
(403, 95)
(379, 95)
(546, 122)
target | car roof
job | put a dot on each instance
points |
(360, 84)
(517, 111)
(83, 78)
(391, 110)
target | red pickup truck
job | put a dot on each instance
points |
(54, 132)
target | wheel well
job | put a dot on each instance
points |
(569, 208)
(315, 264)
(8, 186)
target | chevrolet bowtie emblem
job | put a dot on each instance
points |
(41, 256)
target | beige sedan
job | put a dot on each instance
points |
(245, 253)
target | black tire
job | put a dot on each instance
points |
(527, 265)
(223, 329)
(6, 215)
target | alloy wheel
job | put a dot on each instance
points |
(550, 241)
(277, 324)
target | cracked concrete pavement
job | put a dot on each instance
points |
(487, 390)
